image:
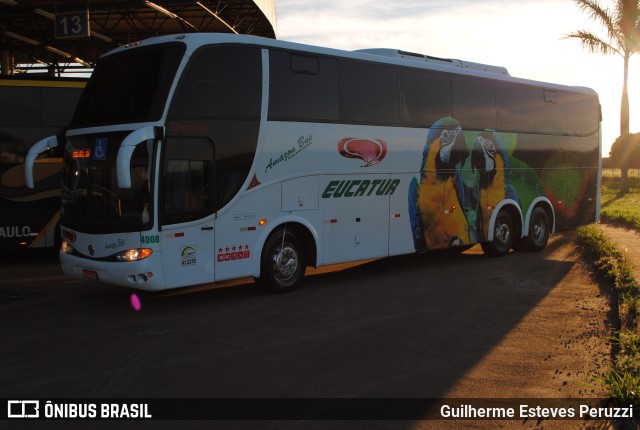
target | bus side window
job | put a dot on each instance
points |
(187, 180)
(519, 108)
(369, 93)
(582, 113)
(426, 97)
(20, 118)
(58, 105)
(302, 87)
(174, 179)
(474, 102)
(230, 177)
(551, 115)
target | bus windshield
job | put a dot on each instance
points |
(91, 199)
(130, 86)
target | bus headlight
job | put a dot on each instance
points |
(134, 254)
(66, 247)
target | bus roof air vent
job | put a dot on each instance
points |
(450, 62)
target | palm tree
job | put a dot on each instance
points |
(622, 26)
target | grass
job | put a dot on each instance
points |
(617, 208)
(623, 379)
(623, 387)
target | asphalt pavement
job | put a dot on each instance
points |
(431, 325)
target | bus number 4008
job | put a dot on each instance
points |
(150, 239)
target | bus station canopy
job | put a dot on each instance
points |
(63, 34)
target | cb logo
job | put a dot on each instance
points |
(23, 409)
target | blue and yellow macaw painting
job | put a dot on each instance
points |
(490, 164)
(464, 175)
(440, 189)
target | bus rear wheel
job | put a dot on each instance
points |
(282, 265)
(503, 236)
(538, 235)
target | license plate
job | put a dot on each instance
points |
(90, 274)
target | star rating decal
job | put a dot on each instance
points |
(233, 253)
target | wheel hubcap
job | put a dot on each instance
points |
(285, 262)
(503, 234)
(538, 232)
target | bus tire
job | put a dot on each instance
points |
(282, 265)
(538, 235)
(503, 236)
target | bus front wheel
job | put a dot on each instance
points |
(282, 265)
(503, 236)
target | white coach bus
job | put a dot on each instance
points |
(203, 157)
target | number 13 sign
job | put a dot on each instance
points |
(72, 24)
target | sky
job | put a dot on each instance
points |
(524, 37)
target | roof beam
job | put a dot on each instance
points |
(215, 15)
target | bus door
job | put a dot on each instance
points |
(187, 211)
(356, 225)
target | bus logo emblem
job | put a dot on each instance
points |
(370, 151)
(188, 256)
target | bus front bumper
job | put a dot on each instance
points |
(138, 274)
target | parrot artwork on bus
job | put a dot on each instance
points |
(459, 187)
(489, 160)
(465, 176)
(440, 184)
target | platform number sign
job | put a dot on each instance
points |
(72, 24)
